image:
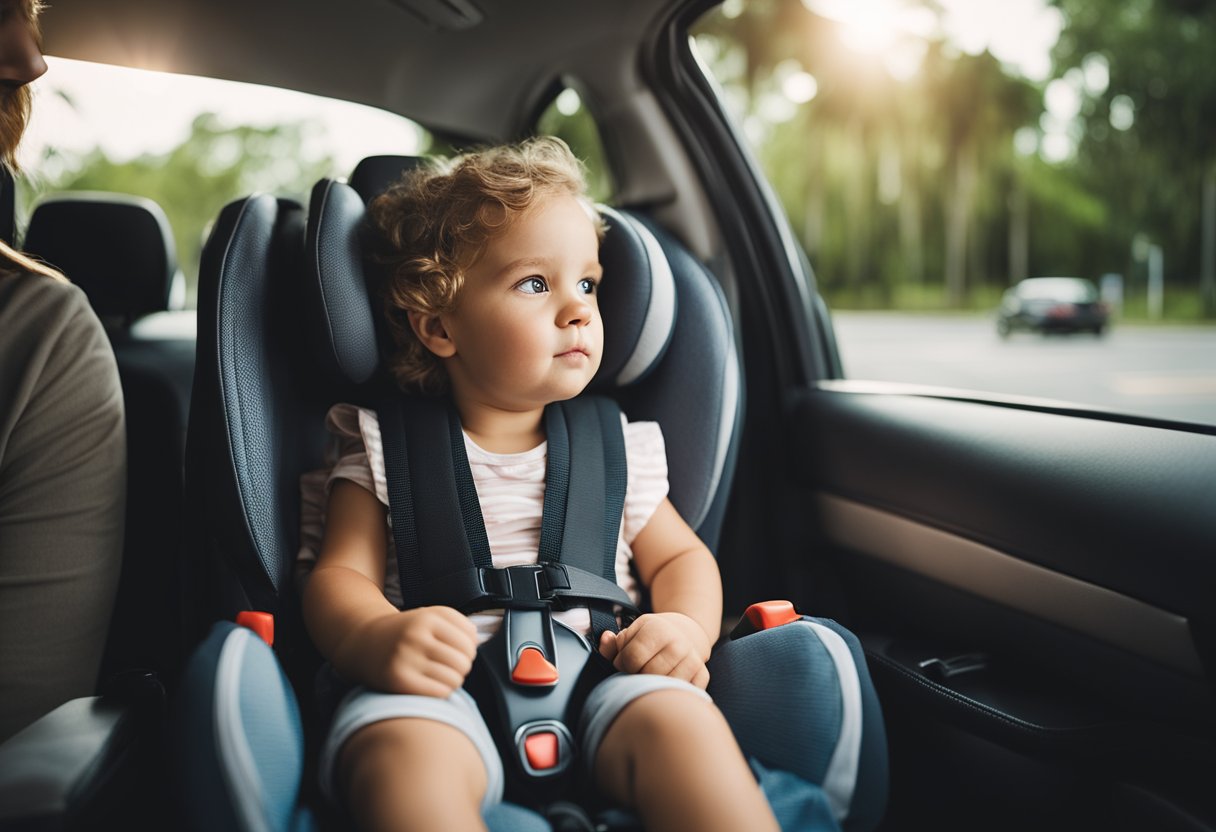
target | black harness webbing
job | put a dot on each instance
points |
(443, 554)
(595, 462)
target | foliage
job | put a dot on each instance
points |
(578, 130)
(1160, 57)
(937, 177)
(194, 180)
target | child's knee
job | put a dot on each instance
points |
(410, 754)
(662, 714)
(659, 733)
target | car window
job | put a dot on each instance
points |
(192, 144)
(1059, 289)
(930, 156)
(568, 118)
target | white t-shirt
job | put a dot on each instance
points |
(511, 488)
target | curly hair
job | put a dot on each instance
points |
(436, 222)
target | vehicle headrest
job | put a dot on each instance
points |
(372, 176)
(116, 247)
(637, 296)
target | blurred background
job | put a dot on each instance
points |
(930, 155)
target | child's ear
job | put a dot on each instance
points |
(431, 332)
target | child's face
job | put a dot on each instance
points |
(526, 330)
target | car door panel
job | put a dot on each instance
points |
(1125, 506)
(1034, 589)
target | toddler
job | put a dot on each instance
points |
(492, 300)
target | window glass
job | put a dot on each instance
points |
(932, 154)
(191, 144)
(567, 118)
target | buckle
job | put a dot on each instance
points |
(553, 576)
(496, 583)
(530, 585)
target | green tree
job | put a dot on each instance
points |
(193, 181)
(1150, 138)
(888, 182)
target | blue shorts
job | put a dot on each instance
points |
(362, 707)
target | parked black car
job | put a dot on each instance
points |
(1053, 304)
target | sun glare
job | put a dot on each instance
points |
(868, 29)
(867, 26)
(1020, 33)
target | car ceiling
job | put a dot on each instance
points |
(486, 80)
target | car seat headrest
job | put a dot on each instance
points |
(341, 308)
(372, 176)
(118, 248)
(637, 295)
(637, 301)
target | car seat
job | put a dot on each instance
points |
(286, 329)
(119, 249)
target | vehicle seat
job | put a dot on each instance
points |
(283, 335)
(119, 249)
(372, 176)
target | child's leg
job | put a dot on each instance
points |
(411, 762)
(412, 774)
(671, 755)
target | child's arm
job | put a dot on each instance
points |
(426, 651)
(686, 593)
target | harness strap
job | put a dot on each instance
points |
(522, 587)
(432, 497)
(443, 553)
(400, 499)
(598, 478)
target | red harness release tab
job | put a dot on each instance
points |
(532, 668)
(261, 623)
(768, 614)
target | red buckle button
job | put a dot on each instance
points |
(769, 614)
(532, 668)
(261, 623)
(541, 750)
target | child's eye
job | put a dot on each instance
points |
(587, 284)
(533, 285)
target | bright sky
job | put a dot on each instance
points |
(1020, 33)
(128, 112)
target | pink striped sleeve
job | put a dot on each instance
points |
(361, 457)
(349, 460)
(646, 456)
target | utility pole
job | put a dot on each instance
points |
(1156, 281)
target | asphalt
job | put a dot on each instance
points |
(1161, 371)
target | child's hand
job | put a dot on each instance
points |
(664, 644)
(426, 651)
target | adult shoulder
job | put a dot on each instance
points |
(55, 357)
(33, 301)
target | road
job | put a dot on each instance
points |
(1149, 370)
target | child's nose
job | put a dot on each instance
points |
(576, 313)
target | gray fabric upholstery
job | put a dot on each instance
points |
(637, 301)
(694, 393)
